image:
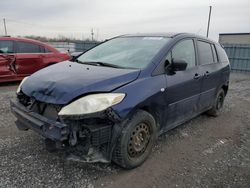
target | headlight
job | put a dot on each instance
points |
(92, 103)
(20, 85)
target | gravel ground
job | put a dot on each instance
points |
(204, 152)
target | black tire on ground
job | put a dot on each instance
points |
(136, 140)
(218, 104)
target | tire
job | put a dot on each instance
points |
(218, 104)
(136, 140)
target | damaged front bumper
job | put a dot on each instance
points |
(94, 142)
(27, 119)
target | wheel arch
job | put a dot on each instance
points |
(154, 113)
(151, 109)
(225, 88)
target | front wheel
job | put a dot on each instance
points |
(217, 106)
(136, 140)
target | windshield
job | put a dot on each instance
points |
(125, 52)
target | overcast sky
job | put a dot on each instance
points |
(75, 18)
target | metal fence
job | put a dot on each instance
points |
(83, 46)
(73, 46)
(239, 56)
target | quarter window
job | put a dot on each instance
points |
(222, 54)
(205, 53)
(6, 46)
(25, 47)
(184, 50)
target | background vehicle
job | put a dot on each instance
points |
(123, 94)
(20, 57)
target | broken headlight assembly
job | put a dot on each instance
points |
(20, 85)
(92, 103)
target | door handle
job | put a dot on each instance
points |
(197, 76)
(206, 74)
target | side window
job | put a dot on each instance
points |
(184, 50)
(44, 50)
(222, 54)
(47, 50)
(214, 53)
(6, 46)
(25, 47)
(205, 53)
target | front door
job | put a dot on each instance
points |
(183, 87)
(28, 58)
(7, 59)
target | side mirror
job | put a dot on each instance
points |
(178, 65)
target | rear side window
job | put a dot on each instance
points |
(222, 54)
(25, 47)
(184, 50)
(6, 46)
(205, 53)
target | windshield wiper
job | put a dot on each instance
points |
(98, 63)
(88, 63)
(108, 65)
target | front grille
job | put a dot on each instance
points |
(100, 134)
(49, 111)
(24, 99)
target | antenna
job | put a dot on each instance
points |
(5, 29)
(209, 16)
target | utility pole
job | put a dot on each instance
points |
(92, 34)
(5, 29)
(209, 16)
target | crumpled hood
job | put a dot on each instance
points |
(62, 82)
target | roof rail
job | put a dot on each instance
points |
(5, 36)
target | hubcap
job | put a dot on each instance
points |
(139, 140)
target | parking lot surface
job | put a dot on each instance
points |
(204, 152)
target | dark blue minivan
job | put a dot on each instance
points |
(112, 102)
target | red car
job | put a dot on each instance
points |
(20, 57)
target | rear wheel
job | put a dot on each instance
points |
(136, 141)
(217, 107)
